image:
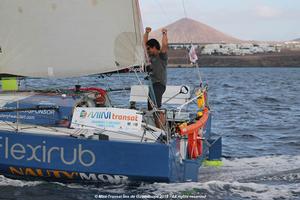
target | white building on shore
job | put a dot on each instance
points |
(238, 49)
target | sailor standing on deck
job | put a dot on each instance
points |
(158, 72)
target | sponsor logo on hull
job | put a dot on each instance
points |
(43, 153)
(67, 176)
(111, 119)
(26, 115)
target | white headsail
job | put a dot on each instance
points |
(67, 38)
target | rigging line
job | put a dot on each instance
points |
(199, 74)
(123, 91)
(37, 127)
(147, 127)
(197, 64)
(184, 8)
(152, 104)
(150, 101)
(12, 126)
(167, 19)
(79, 131)
(50, 89)
(186, 40)
(145, 93)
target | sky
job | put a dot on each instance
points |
(266, 20)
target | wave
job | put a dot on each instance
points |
(17, 183)
(226, 85)
(265, 177)
(249, 137)
(267, 99)
(230, 190)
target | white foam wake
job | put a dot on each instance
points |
(266, 177)
(17, 183)
(227, 189)
(245, 178)
(247, 168)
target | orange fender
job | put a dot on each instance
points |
(195, 144)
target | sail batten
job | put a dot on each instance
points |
(64, 38)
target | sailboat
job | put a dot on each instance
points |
(76, 135)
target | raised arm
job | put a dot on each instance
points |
(164, 42)
(146, 35)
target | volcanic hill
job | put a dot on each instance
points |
(188, 30)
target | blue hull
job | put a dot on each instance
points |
(68, 159)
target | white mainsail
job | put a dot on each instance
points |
(67, 38)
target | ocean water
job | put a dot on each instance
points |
(256, 110)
